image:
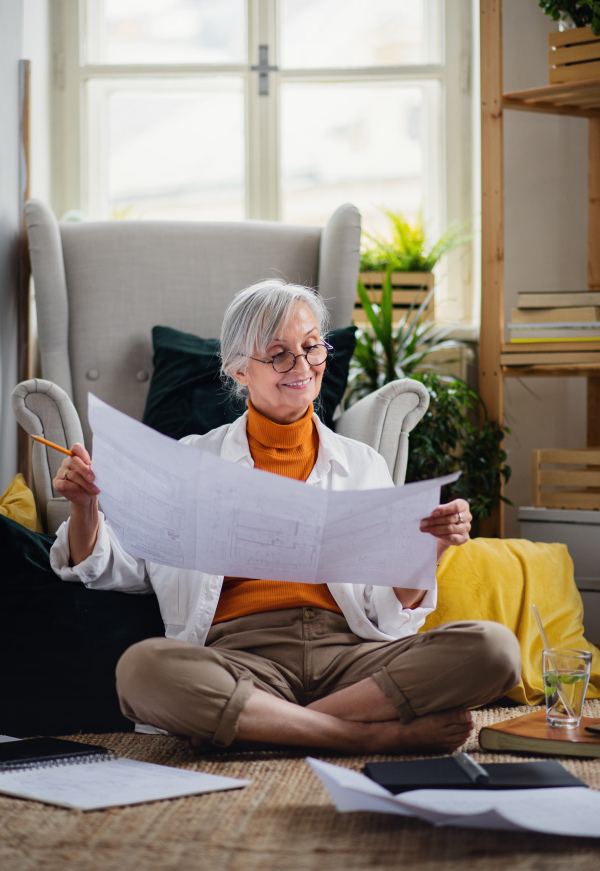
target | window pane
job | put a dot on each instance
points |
(374, 145)
(166, 31)
(354, 33)
(166, 148)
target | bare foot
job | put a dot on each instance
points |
(198, 747)
(443, 731)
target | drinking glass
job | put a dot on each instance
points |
(566, 676)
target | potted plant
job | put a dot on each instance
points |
(574, 54)
(578, 13)
(407, 257)
(455, 432)
(384, 351)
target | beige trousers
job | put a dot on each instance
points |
(303, 654)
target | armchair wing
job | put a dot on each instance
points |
(44, 409)
(384, 418)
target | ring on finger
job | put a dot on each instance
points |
(459, 519)
(65, 474)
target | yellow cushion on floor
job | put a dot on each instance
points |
(500, 579)
(17, 503)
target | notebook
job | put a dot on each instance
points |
(72, 774)
(461, 772)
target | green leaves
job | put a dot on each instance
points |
(408, 250)
(581, 12)
(384, 353)
(455, 434)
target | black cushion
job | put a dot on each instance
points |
(186, 395)
(60, 642)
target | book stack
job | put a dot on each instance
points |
(556, 321)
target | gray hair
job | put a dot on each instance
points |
(255, 317)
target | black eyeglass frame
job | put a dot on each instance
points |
(296, 357)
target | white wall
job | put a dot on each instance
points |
(36, 48)
(545, 186)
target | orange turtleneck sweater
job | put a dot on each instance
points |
(289, 450)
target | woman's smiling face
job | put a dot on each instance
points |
(284, 397)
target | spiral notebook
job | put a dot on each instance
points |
(72, 774)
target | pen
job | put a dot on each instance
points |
(474, 770)
(52, 445)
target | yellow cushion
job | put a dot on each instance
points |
(495, 579)
(18, 504)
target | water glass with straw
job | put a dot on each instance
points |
(566, 674)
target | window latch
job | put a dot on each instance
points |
(263, 69)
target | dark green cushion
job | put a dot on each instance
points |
(187, 396)
(60, 642)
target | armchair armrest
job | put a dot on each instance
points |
(44, 409)
(383, 420)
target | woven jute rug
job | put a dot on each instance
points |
(283, 821)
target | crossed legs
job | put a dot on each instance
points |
(417, 699)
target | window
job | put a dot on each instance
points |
(272, 109)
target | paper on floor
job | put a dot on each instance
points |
(560, 811)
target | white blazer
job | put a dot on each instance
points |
(188, 598)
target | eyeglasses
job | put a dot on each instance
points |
(285, 362)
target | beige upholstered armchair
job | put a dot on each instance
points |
(101, 287)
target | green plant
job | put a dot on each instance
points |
(455, 434)
(408, 249)
(384, 353)
(580, 12)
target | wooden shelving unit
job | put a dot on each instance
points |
(499, 359)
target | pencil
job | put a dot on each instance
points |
(52, 445)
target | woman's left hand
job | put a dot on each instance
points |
(449, 523)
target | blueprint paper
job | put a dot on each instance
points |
(179, 506)
(573, 810)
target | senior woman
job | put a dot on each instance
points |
(248, 660)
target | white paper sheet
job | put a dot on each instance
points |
(573, 810)
(101, 784)
(184, 507)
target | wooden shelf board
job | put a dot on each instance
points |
(581, 99)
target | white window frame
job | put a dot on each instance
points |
(455, 186)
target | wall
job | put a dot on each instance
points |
(36, 48)
(10, 224)
(545, 187)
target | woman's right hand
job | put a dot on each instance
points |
(75, 479)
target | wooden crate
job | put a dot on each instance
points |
(573, 481)
(407, 287)
(573, 56)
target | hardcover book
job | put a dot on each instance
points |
(557, 299)
(589, 314)
(531, 734)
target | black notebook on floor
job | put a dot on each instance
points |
(37, 752)
(462, 772)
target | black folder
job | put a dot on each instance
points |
(458, 772)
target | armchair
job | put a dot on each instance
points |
(102, 286)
